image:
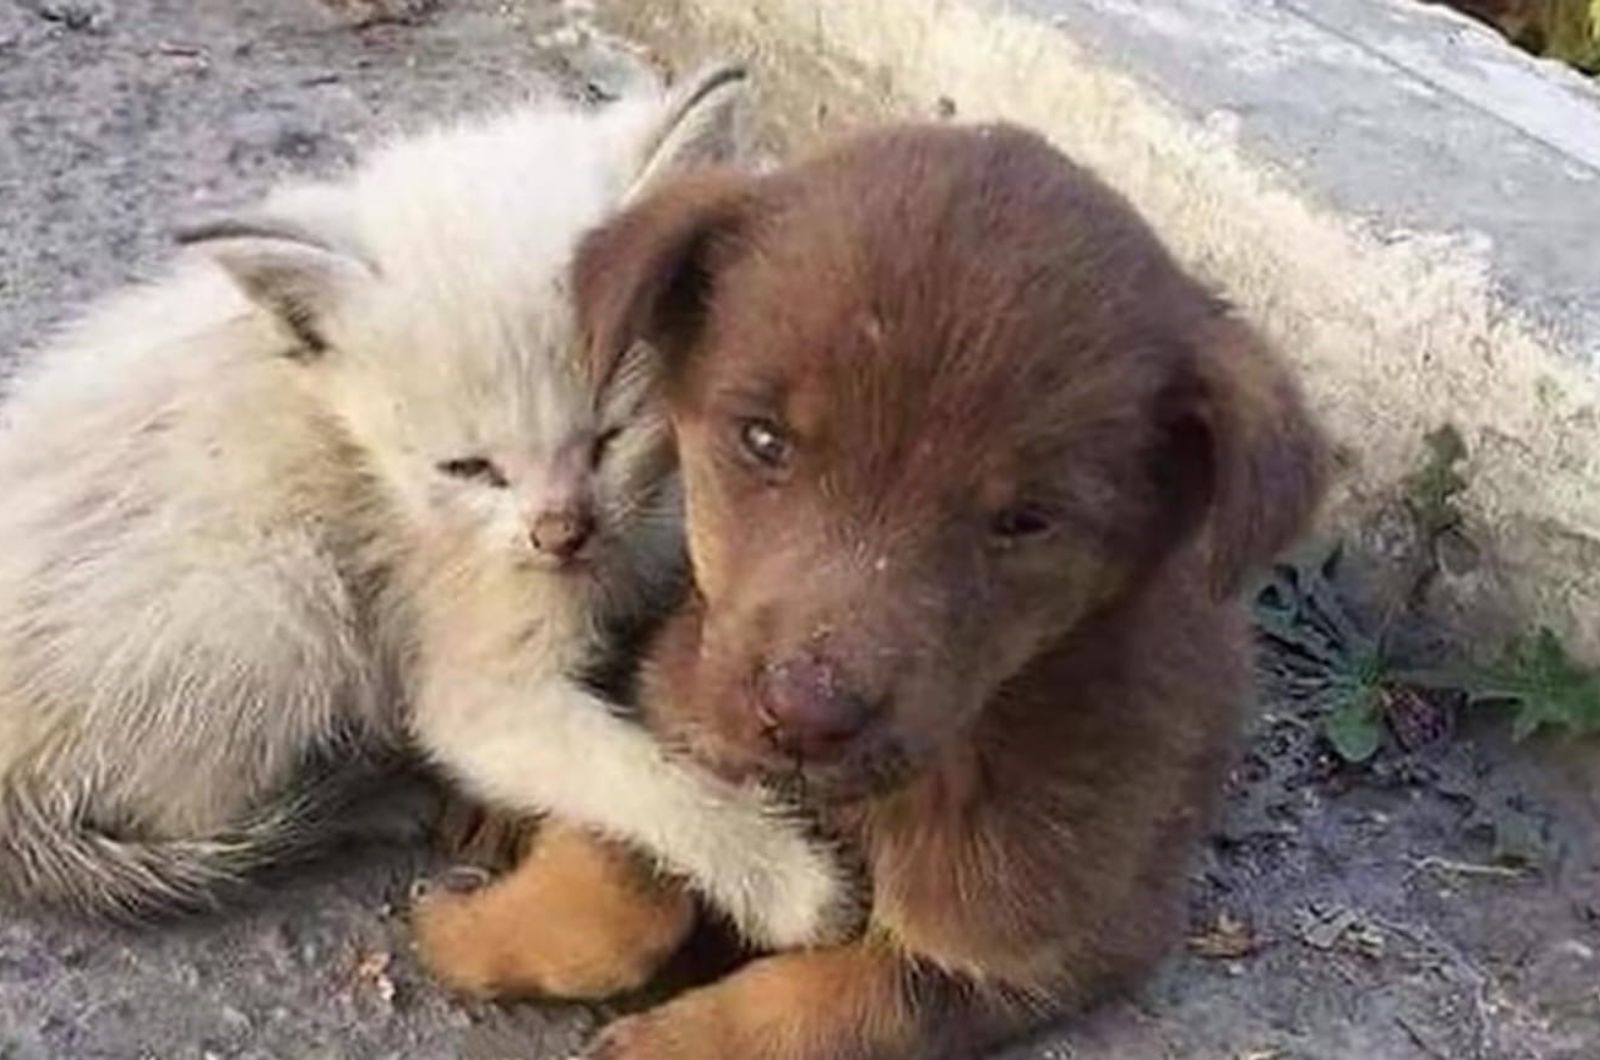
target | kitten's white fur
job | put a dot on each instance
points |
(226, 547)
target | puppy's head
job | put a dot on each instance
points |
(941, 399)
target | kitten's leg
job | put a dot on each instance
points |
(554, 747)
(579, 918)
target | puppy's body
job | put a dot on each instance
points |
(972, 471)
(345, 487)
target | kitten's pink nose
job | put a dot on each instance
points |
(561, 533)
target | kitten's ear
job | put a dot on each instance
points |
(647, 274)
(697, 127)
(285, 262)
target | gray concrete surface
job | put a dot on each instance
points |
(1352, 901)
(1411, 118)
(1403, 201)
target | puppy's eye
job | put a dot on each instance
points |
(474, 469)
(603, 442)
(1020, 523)
(765, 442)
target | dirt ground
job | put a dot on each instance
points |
(1441, 904)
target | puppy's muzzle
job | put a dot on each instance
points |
(808, 706)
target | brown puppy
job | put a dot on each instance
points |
(973, 471)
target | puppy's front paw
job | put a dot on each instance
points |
(827, 1004)
(456, 941)
(647, 1037)
(578, 919)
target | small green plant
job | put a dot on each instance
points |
(1299, 607)
(1430, 500)
(1367, 687)
(1326, 651)
(1536, 678)
(1355, 725)
(1534, 675)
(1432, 490)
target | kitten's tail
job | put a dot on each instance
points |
(53, 858)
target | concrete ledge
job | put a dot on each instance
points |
(1407, 205)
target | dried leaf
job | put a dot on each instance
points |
(374, 964)
(1229, 938)
(1322, 929)
(1364, 939)
(1416, 720)
(373, 971)
(1518, 837)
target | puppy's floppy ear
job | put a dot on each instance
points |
(1249, 459)
(646, 275)
(697, 127)
(283, 261)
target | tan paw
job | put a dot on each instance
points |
(643, 1037)
(578, 920)
(452, 941)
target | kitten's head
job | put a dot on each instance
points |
(426, 300)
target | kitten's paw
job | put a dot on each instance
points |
(812, 896)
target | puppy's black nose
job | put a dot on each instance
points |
(809, 706)
(561, 533)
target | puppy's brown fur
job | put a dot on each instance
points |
(1023, 464)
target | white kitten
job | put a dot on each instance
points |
(340, 483)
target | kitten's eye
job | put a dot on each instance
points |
(475, 469)
(603, 441)
(1020, 523)
(765, 442)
